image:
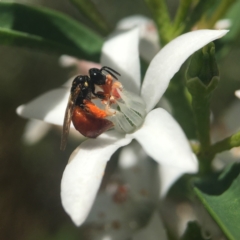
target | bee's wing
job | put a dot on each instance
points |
(68, 117)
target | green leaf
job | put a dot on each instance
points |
(197, 12)
(231, 39)
(233, 16)
(46, 30)
(224, 208)
(218, 12)
(218, 182)
(181, 16)
(88, 8)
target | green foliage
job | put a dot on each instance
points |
(177, 95)
(231, 38)
(233, 16)
(223, 204)
(87, 8)
(161, 15)
(218, 182)
(202, 79)
(48, 30)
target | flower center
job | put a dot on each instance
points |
(125, 109)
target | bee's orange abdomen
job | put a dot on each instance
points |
(88, 124)
(94, 110)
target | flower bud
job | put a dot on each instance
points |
(203, 65)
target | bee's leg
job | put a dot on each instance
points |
(100, 95)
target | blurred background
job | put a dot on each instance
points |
(30, 174)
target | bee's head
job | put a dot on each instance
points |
(97, 77)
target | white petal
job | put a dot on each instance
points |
(68, 83)
(132, 22)
(155, 230)
(121, 53)
(149, 42)
(83, 174)
(49, 107)
(34, 131)
(237, 93)
(165, 104)
(139, 172)
(81, 66)
(67, 61)
(163, 140)
(223, 24)
(127, 198)
(168, 176)
(129, 155)
(168, 61)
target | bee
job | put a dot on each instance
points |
(87, 118)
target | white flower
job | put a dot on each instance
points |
(127, 199)
(149, 41)
(159, 135)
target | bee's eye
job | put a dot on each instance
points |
(97, 77)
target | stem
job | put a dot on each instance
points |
(161, 15)
(181, 16)
(201, 109)
(205, 163)
(218, 14)
(197, 13)
(201, 95)
(206, 156)
(226, 144)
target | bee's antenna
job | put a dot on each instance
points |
(107, 70)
